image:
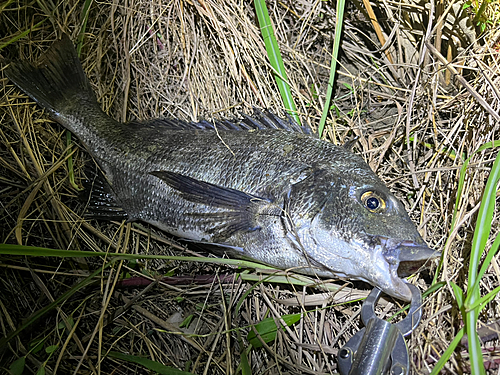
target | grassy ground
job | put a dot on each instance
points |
(419, 110)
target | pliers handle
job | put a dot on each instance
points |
(379, 348)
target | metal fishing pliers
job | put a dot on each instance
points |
(379, 348)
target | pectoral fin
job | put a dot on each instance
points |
(213, 195)
(228, 210)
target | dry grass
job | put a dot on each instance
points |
(196, 60)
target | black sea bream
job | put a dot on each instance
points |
(261, 187)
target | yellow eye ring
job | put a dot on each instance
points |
(373, 202)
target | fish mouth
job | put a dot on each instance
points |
(413, 256)
(404, 258)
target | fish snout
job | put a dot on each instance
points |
(413, 256)
(409, 256)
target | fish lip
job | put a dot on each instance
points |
(398, 288)
(385, 260)
(402, 258)
(407, 256)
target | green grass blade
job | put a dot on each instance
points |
(448, 353)
(7, 249)
(71, 171)
(244, 363)
(460, 188)
(275, 59)
(459, 295)
(244, 350)
(484, 218)
(473, 303)
(294, 278)
(83, 20)
(40, 313)
(23, 34)
(5, 5)
(484, 300)
(461, 180)
(481, 235)
(487, 260)
(333, 67)
(475, 353)
(275, 277)
(267, 329)
(157, 367)
(434, 288)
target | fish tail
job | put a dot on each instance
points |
(58, 83)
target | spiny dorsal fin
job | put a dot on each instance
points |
(350, 143)
(259, 120)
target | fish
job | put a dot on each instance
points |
(257, 187)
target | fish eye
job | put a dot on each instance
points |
(373, 202)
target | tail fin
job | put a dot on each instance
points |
(56, 79)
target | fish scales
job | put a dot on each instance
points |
(260, 187)
(256, 165)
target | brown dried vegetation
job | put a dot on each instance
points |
(415, 120)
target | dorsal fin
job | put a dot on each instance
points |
(267, 120)
(350, 143)
(259, 120)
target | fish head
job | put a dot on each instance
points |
(357, 229)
